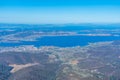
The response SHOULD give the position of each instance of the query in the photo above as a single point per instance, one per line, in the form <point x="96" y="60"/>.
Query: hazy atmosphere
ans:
<point x="59" y="11"/>
<point x="59" y="39"/>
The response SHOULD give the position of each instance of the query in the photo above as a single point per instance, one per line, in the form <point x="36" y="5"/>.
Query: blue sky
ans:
<point x="59" y="11"/>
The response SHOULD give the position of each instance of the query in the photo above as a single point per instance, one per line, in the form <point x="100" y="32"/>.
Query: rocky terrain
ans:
<point x="97" y="61"/>
<point x="47" y="52"/>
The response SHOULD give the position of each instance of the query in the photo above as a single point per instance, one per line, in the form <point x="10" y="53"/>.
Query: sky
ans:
<point x="59" y="11"/>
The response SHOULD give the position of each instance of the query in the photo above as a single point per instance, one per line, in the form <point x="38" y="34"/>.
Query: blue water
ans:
<point x="64" y="41"/>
